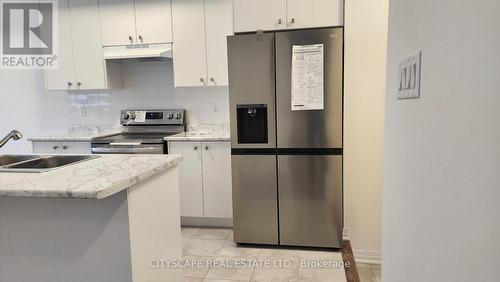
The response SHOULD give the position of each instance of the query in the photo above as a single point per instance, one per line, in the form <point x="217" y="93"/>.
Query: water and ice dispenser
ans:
<point x="252" y="124"/>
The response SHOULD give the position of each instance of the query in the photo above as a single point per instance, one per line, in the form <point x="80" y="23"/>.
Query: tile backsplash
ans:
<point x="148" y="85"/>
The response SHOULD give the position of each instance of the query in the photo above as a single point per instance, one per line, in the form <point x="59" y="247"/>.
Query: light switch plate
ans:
<point x="409" y="77"/>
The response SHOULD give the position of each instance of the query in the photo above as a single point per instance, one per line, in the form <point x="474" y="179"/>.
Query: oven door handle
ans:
<point x="151" y="149"/>
<point x="125" y="144"/>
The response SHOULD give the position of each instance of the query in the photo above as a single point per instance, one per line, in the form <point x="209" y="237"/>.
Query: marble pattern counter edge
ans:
<point x="78" y="182"/>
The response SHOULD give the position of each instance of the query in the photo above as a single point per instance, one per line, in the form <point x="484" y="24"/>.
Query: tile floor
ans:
<point x="369" y="272"/>
<point x="209" y="245"/>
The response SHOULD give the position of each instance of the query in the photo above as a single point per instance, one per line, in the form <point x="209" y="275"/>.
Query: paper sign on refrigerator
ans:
<point x="308" y="77"/>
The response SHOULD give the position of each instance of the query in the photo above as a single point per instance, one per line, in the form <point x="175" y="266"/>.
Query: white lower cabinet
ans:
<point x="190" y="177"/>
<point x="205" y="178"/>
<point x="217" y="186"/>
<point x="69" y="148"/>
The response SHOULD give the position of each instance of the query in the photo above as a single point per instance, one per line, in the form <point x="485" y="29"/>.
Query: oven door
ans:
<point x="128" y="148"/>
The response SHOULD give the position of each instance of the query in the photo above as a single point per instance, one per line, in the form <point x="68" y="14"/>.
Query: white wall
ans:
<point x="365" y="60"/>
<point x="442" y="153"/>
<point x="25" y="105"/>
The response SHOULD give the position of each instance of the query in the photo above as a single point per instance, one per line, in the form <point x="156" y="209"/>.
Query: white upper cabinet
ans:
<point x="63" y="77"/>
<point x="153" y="20"/>
<point x="130" y="22"/>
<point x="251" y="15"/>
<point x="219" y="25"/>
<point x="314" y="13"/>
<point x="117" y="22"/>
<point x="190" y="63"/>
<point x="80" y="62"/>
<point x="89" y="63"/>
<point x="200" y="29"/>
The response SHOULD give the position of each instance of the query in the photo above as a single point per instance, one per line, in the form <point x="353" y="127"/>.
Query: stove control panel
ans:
<point x="152" y="117"/>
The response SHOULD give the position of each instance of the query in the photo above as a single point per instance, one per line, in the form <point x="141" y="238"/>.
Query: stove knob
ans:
<point x="126" y="116"/>
<point x="132" y="115"/>
<point x="178" y="115"/>
<point x="170" y="115"/>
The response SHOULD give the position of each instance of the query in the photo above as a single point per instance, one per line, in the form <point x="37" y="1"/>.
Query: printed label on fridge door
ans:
<point x="308" y="77"/>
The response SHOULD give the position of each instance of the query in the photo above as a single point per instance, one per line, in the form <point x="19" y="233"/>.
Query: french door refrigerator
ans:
<point x="286" y="145"/>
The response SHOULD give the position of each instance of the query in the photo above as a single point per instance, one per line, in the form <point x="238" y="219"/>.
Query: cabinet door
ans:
<point x="76" y="148"/>
<point x="190" y="177"/>
<point x="314" y="13"/>
<point x="251" y="15"/>
<point x="190" y="60"/>
<point x="153" y="20"/>
<point x="87" y="47"/>
<point x="47" y="147"/>
<point x="219" y="24"/>
<point x="118" y="22"/>
<point x="63" y="78"/>
<point x="217" y="189"/>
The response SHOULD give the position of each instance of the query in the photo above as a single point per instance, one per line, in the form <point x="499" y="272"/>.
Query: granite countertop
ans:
<point x="200" y="136"/>
<point x="94" y="179"/>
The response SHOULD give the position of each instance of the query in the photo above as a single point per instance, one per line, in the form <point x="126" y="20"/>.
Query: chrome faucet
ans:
<point x="14" y="134"/>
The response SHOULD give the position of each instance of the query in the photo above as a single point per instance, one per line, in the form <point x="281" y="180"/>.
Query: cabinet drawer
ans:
<point x="70" y="148"/>
<point x="76" y="148"/>
<point x="40" y="147"/>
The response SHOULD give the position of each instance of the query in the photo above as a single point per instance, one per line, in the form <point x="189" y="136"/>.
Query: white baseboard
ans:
<point x="346" y="233"/>
<point x="362" y="256"/>
<point x="206" y="222"/>
<point x="367" y="256"/>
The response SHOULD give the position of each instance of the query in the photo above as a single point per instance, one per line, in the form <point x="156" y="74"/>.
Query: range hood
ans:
<point x="138" y="51"/>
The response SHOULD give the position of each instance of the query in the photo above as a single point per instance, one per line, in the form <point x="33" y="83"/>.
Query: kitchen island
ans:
<point x="106" y="219"/>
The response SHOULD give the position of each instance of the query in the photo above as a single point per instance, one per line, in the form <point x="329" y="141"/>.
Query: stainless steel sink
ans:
<point x="39" y="164"/>
<point x="12" y="159"/>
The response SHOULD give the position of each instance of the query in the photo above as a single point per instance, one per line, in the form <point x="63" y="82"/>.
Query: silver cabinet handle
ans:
<point x="79" y="83"/>
<point x="70" y="84"/>
<point x="65" y="147"/>
<point x="206" y="148"/>
<point x="140" y="38"/>
<point x="131" y="39"/>
<point x="195" y="148"/>
<point x="212" y="79"/>
<point x="292" y="21"/>
<point x="55" y="148"/>
<point x="202" y="80"/>
<point x="280" y="21"/>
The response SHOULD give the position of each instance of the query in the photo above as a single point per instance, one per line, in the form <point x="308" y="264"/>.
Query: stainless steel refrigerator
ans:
<point x="286" y="163"/>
